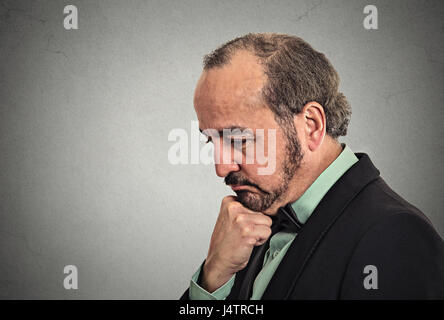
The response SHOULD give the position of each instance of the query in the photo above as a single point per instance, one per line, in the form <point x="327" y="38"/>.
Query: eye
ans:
<point x="244" y="139"/>
<point x="241" y="141"/>
<point x="209" y="140"/>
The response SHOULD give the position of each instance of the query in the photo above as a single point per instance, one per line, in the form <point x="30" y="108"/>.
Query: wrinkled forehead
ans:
<point x="219" y="108"/>
<point x="241" y="75"/>
<point x="230" y="94"/>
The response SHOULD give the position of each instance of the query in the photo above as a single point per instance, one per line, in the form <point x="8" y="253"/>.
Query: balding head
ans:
<point x="296" y="74"/>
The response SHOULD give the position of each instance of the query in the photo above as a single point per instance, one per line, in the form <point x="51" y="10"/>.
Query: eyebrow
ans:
<point x="221" y="132"/>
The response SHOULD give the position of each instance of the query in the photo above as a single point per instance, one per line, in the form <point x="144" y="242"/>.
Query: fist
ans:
<point x="237" y="231"/>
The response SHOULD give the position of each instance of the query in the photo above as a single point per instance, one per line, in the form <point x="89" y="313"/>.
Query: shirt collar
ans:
<point x="307" y="203"/>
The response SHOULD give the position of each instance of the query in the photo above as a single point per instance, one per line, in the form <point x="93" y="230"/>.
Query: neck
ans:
<point x="312" y="165"/>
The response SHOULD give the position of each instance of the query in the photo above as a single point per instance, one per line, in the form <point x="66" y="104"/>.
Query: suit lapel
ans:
<point x="326" y="213"/>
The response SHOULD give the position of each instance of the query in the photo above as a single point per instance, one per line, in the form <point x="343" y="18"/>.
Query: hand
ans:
<point x="237" y="231"/>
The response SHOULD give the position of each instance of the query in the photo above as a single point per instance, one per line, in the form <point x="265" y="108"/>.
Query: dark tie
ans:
<point x="285" y="220"/>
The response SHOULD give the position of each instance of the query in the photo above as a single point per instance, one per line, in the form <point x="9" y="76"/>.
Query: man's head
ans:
<point x="271" y="82"/>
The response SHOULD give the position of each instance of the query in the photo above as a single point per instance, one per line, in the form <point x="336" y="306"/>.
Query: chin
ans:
<point x="255" y="201"/>
<point x="249" y="200"/>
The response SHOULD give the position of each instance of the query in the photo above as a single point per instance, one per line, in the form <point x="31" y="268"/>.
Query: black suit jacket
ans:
<point x="360" y="222"/>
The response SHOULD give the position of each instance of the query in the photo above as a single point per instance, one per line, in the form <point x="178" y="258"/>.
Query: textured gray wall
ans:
<point x="85" y="115"/>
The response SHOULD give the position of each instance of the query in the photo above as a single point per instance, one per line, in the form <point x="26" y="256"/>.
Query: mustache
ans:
<point x="237" y="179"/>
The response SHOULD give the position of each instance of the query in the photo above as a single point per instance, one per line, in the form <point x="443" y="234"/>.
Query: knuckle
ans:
<point x="246" y="230"/>
<point x="227" y="199"/>
<point x="239" y="218"/>
<point x="232" y="206"/>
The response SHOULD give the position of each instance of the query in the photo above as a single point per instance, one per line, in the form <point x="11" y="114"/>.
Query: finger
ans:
<point x="244" y="209"/>
<point x="237" y="207"/>
<point x="260" y="242"/>
<point x="258" y="219"/>
<point x="259" y="234"/>
<point x="228" y="199"/>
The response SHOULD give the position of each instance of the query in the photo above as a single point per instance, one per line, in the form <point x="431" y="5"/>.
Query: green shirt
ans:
<point x="281" y="241"/>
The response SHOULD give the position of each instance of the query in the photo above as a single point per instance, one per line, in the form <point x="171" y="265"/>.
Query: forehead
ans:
<point x="232" y="95"/>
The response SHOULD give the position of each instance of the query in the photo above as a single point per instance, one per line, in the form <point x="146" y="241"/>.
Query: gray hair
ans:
<point x="297" y="74"/>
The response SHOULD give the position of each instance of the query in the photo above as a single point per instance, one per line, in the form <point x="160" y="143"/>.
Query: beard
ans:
<point x="262" y="200"/>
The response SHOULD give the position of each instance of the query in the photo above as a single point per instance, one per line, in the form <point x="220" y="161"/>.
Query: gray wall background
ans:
<point x="85" y="115"/>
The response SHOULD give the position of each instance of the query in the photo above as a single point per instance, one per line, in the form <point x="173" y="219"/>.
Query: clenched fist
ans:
<point x="235" y="234"/>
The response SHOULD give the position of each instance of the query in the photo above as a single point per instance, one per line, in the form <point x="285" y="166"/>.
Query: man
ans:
<point x="323" y="224"/>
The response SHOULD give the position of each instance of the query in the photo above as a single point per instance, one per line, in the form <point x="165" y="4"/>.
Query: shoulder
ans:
<point x="404" y="253"/>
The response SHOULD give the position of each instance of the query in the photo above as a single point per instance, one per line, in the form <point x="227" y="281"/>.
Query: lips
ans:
<point x="240" y="187"/>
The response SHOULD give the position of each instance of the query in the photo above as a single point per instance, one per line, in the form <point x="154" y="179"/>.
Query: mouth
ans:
<point x="242" y="187"/>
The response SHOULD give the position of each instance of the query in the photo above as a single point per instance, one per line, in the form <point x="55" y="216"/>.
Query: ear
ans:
<point x="314" y="121"/>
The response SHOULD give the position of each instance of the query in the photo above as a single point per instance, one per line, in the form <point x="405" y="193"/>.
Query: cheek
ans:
<point x="270" y="151"/>
<point x="268" y="182"/>
<point x="271" y="178"/>
<point x="273" y="142"/>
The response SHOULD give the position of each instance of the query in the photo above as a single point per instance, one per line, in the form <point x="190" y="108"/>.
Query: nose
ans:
<point x="222" y="170"/>
<point x="224" y="159"/>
